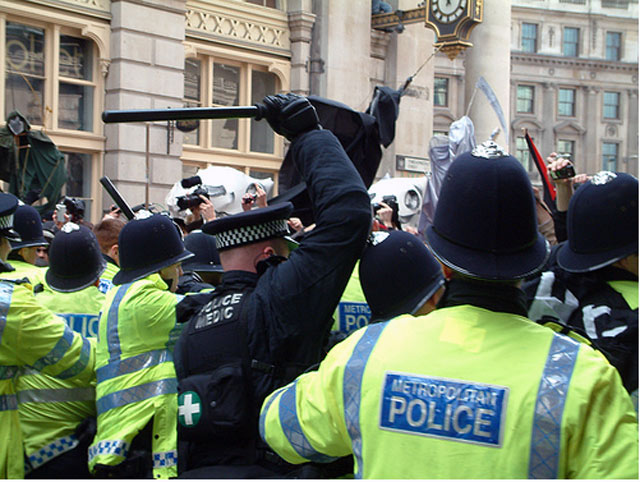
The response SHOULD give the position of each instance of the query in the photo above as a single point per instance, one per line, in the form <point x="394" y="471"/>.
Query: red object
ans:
<point x="549" y="188"/>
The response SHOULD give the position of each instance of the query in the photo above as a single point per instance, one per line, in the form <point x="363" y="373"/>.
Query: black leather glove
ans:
<point x="289" y="114"/>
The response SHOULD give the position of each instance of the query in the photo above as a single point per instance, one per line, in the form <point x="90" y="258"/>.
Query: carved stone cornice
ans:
<point x="239" y="24"/>
<point x="379" y="43"/>
<point x="573" y="62"/>
<point x="96" y="8"/>
<point x="300" y="26"/>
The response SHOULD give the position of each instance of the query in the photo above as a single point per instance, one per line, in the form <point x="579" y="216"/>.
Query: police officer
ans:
<point x="52" y="411"/>
<point x="136" y="400"/>
<point x="31" y="335"/>
<point x="23" y="255"/>
<point x="399" y="275"/>
<point x="474" y="389"/>
<point x="107" y="232"/>
<point x="594" y="285"/>
<point x="203" y="271"/>
<point x="267" y="320"/>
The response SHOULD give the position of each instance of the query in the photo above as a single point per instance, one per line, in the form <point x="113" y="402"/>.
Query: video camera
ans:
<point x="75" y="207"/>
<point x="392" y="201"/>
<point x="193" y="199"/>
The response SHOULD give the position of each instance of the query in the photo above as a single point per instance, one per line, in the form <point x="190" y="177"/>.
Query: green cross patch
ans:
<point x="189" y="409"/>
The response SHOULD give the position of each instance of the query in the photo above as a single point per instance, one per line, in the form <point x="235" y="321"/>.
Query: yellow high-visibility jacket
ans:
<point x="463" y="392"/>
<point x="51" y="409"/>
<point x="135" y="373"/>
<point x="30" y="334"/>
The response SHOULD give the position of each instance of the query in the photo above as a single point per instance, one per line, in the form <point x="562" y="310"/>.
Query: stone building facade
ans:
<point x="65" y="61"/>
<point x="573" y="83"/>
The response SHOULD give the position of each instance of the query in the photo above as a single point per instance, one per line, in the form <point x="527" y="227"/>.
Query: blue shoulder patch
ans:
<point x="353" y="315"/>
<point x="82" y="323"/>
<point x="443" y="408"/>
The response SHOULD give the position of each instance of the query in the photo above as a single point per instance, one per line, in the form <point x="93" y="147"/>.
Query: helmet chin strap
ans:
<point x="272" y="260"/>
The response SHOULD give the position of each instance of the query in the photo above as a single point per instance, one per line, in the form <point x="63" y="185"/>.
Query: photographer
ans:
<point x="386" y="213"/>
<point x="201" y="213"/>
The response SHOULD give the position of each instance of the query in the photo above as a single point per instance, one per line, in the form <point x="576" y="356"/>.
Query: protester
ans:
<point x="30" y="335"/>
<point x="473" y="389"/>
<point x="267" y="320"/>
<point x="57" y="418"/>
<point x="107" y="232"/>
<point x="136" y="400"/>
<point x="594" y="285"/>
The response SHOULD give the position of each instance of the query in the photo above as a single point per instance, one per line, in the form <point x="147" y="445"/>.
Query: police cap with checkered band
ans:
<point x="8" y="206"/>
<point x="251" y="227"/>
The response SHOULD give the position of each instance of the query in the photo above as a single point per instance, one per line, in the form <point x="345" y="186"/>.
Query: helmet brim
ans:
<point x="488" y="265"/>
<point x="129" y="276"/>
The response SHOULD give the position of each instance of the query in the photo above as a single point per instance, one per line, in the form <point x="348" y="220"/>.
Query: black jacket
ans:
<point x="587" y="302"/>
<point x="288" y="308"/>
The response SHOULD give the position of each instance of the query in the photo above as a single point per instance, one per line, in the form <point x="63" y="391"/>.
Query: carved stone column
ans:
<point x="547" y="146"/>
<point x="146" y="72"/>
<point x="490" y="57"/>
<point x="300" y="27"/>
<point x="592" y="108"/>
<point x="632" y="133"/>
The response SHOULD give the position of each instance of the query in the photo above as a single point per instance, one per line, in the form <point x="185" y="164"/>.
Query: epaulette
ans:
<point x="560" y="327"/>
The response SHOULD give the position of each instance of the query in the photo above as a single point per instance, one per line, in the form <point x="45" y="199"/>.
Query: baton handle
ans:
<point x="117" y="197"/>
<point x="187" y="113"/>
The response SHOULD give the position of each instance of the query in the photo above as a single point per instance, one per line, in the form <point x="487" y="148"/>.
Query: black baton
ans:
<point x="187" y="113"/>
<point x="117" y="197"/>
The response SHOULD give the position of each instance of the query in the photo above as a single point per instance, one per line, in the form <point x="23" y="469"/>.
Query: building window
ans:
<point x="565" y="149"/>
<point x="225" y="93"/>
<point x="440" y="91"/>
<point x="192" y="94"/>
<point x="612" y="46"/>
<point x="610" y="156"/>
<point x="29" y="71"/>
<point x="210" y="81"/>
<point x="522" y="153"/>
<point x="570" y="38"/>
<point x="611" y="105"/>
<point x="566" y="102"/>
<point x="264" y="3"/>
<point x="529" y="37"/>
<point x="524" y="103"/>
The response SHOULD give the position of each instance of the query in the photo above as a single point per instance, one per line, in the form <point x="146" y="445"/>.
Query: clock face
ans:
<point x="448" y="11"/>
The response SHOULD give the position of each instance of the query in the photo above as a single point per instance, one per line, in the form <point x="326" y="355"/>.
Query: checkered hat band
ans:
<point x="6" y="221"/>
<point x="251" y="234"/>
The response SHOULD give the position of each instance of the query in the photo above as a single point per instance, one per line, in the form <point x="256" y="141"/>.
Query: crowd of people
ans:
<point x="250" y="346"/>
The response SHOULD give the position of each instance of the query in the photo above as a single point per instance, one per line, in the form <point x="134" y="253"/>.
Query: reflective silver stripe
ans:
<point x="547" y="419"/>
<point x="352" y="388"/>
<point x="50" y="451"/>
<point x="6" y="290"/>
<point x="8" y="402"/>
<point x="165" y="459"/>
<point x="7" y="372"/>
<point x="79" y="366"/>
<point x="263" y="413"/>
<point x="132" y="364"/>
<point x="53" y="395"/>
<point x="109" y="447"/>
<point x="58" y="351"/>
<point x="113" y="339"/>
<point x="136" y="394"/>
<point x="292" y="429"/>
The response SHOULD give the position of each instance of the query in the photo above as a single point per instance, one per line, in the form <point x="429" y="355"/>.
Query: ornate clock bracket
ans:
<point x="451" y="20"/>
